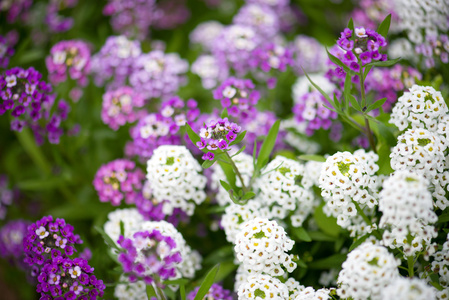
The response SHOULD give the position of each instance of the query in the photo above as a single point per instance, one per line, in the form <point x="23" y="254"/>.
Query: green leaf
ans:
<point x="107" y="238"/>
<point x="207" y="283"/>
<point x="28" y="143"/>
<point x="302" y="234"/>
<point x="239" y="138"/>
<point x="208" y="163"/>
<point x="443" y="218"/>
<point x="268" y="145"/>
<point x="384" y="159"/>
<point x="248" y="196"/>
<point x="333" y="261"/>
<point x="39" y="184"/>
<point x="331" y="109"/>
<point x="351" y="24"/>
<point x="325" y="95"/>
<point x="355" y="104"/>
<point x="225" y="185"/>
<point x="238" y="152"/>
<point x="122" y="228"/>
<point x="387" y="63"/>
<point x="321" y="237"/>
<point x="313" y="157"/>
<point x="193" y="136"/>
<point x="376" y="105"/>
<point x="347" y="90"/>
<point x="182" y="291"/>
<point x="367" y="69"/>
<point x="151" y="293"/>
<point x="338" y="62"/>
<point x="359" y="241"/>
<point x="336" y="103"/>
<point x="384" y="26"/>
<point x="224" y="113"/>
<point x="327" y="224"/>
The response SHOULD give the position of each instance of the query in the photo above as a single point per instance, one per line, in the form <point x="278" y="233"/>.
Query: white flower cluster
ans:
<point x="313" y="171"/>
<point x="131" y="290"/>
<point x="130" y="218"/>
<point x="422" y="107"/>
<point x="235" y="215"/>
<point x="407" y="212"/>
<point x="440" y="265"/>
<point x="244" y="163"/>
<point x="309" y="293"/>
<point x="294" y="288"/>
<point x="191" y="260"/>
<point x="346" y="180"/>
<point x="263" y="287"/>
<point x="408" y="288"/>
<point x="286" y="190"/>
<point x="205" y="34"/>
<point x="175" y="179"/>
<point x="368" y="269"/>
<point x="261" y="247"/>
<point x="421" y="18"/>
<point x="208" y="69"/>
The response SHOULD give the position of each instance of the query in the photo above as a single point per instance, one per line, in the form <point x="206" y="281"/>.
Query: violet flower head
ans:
<point x="117" y="180"/>
<point x="69" y="278"/>
<point x="238" y="96"/>
<point x="70" y="58"/>
<point x="218" y="135"/>
<point x="216" y="292"/>
<point x="56" y="21"/>
<point x="7" y="195"/>
<point x="114" y="62"/>
<point x="208" y="68"/>
<point x="161" y="128"/>
<point x="261" y="18"/>
<point x="169" y="14"/>
<point x="310" y="110"/>
<point x="49" y="239"/>
<point x="12" y="236"/>
<point x="149" y="256"/>
<point x="17" y="9"/>
<point x="433" y="49"/>
<point x="131" y="18"/>
<point x="157" y="74"/>
<point x="6" y="51"/>
<point x="122" y="106"/>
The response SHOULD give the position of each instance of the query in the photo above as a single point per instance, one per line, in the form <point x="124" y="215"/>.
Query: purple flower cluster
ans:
<point x="261" y="18"/>
<point x="388" y="82"/>
<point x="151" y="210"/>
<point x="115" y="61"/>
<point x="208" y="68"/>
<point x="117" y="180"/>
<point x="170" y="14"/>
<point x="434" y="47"/>
<point x="217" y="135"/>
<point x="270" y="57"/>
<point x="162" y="128"/>
<point x="6" y="195"/>
<point x="238" y="96"/>
<point x="30" y="102"/>
<point x="55" y="20"/>
<point x="131" y="17"/>
<point x="16" y="9"/>
<point x="308" y="54"/>
<point x="216" y="292"/>
<point x="72" y="57"/>
<point x="309" y="109"/>
<point x="149" y="256"/>
<point x="157" y="74"/>
<point x="122" y="106"/>
<point x="361" y="47"/>
<point x="12" y="235"/>
<point x="69" y="278"/>
<point x="6" y="51"/>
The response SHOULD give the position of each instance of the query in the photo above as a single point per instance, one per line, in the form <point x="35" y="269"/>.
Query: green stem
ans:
<point x="362" y="214"/>
<point x="367" y="127"/>
<point x="236" y="170"/>
<point x="411" y="265"/>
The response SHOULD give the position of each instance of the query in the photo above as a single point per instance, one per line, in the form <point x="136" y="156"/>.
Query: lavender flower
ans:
<point x="149" y="255"/>
<point x="308" y="54"/>
<point x="16" y="9"/>
<point x="208" y="68"/>
<point x="69" y="278"/>
<point x="216" y="292"/>
<point x="72" y="57"/>
<point x="261" y="18"/>
<point x="12" y="235"/>
<point x="310" y="109"/>
<point x="122" y="106"/>
<point x="118" y="180"/>
<point x="131" y="18"/>
<point x="6" y="196"/>
<point x="29" y="100"/>
<point x="370" y="13"/>
<point x="157" y="74"/>
<point x="169" y="14"/>
<point x="205" y="34"/>
<point x="6" y="51"/>
<point x="238" y="96"/>
<point x="114" y="62"/>
<point x="217" y="135"/>
<point x="434" y="47"/>
<point x="55" y="20"/>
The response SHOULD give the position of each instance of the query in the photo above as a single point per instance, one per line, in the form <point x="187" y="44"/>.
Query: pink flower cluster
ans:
<point x="117" y="180"/>
<point x="122" y="106"/>
<point x="69" y="57"/>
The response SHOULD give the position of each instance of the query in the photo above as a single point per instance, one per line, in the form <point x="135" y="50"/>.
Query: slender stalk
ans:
<point x="236" y="170"/>
<point x="367" y="127"/>
<point x="411" y="265"/>
<point x="159" y="293"/>
<point x="362" y="214"/>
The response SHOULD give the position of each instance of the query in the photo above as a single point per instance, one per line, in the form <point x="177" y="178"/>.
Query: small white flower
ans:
<point x="75" y="272"/>
<point x="42" y="232"/>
